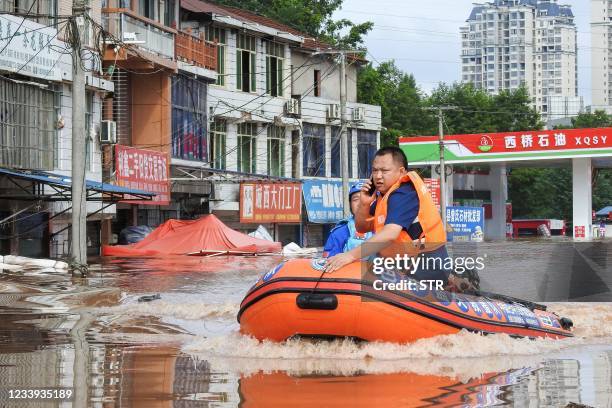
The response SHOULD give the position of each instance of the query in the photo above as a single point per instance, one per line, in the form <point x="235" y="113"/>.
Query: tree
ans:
<point x="399" y="98"/>
<point x="599" y="118"/>
<point x="480" y="112"/>
<point x="313" y="17"/>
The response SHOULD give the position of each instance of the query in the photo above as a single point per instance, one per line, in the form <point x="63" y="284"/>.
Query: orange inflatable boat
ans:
<point x="280" y="389"/>
<point x="296" y="299"/>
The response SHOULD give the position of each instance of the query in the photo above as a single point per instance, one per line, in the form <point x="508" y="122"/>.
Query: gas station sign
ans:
<point x="509" y="146"/>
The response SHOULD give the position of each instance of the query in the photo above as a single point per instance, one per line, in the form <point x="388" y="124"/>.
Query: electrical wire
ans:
<point x="19" y="27"/>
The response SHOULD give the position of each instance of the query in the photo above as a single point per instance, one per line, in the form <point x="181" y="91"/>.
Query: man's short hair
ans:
<point x="398" y="155"/>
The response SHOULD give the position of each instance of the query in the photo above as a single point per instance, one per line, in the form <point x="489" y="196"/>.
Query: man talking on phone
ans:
<point x="402" y="215"/>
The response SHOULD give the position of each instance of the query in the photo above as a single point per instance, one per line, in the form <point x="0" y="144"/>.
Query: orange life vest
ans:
<point x="432" y="236"/>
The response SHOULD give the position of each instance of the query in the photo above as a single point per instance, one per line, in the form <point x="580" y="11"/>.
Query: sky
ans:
<point x="423" y="37"/>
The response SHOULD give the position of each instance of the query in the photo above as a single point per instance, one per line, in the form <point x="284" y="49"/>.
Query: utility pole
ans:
<point x="344" y="148"/>
<point x="79" y="209"/>
<point x="442" y="168"/>
<point x="442" y="172"/>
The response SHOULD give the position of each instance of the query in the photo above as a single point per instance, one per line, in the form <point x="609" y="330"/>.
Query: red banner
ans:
<point x="434" y="189"/>
<point x="146" y="170"/>
<point x="270" y="202"/>
<point x="528" y="141"/>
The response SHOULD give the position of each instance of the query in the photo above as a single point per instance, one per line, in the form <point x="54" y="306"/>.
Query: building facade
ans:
<point x="601" y="52"/>
<point x="161" y="75"/>
<point x="36" y="124"/>
<point x="507" y="44"/>
<point x="226" y="95"/>
<point x="274" y="111"/>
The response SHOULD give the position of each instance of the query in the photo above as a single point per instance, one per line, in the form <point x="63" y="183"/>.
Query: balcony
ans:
<point x="196" y="51"/>
<point x="143" y="33"/>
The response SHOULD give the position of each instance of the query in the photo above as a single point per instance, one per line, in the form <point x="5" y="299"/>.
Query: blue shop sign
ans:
<point x="323" y="199"/>
<point x="465" y="223"/>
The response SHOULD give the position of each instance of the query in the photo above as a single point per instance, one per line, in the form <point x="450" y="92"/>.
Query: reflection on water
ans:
<point x="184" y="349"/>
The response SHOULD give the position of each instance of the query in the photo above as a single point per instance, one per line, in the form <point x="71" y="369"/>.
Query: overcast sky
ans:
<point x="423" y="37"/>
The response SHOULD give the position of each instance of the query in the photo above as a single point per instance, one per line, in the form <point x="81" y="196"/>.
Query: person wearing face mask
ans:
<point x="402" y="215"/>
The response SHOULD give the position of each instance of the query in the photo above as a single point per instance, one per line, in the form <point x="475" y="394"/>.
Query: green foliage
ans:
<point x="400" y="100"/>
<point x="479" y="112"/>
<point x="313" y="17"/>
<point x="541" y="193"/>
<point x="592" y="120"/>
<point x="602" y="189"/>
<point x="407" y="112"/>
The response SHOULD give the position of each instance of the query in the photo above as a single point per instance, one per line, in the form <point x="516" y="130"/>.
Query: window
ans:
<point x="218" y="131"/>
<point x="336" y="169"/>
<point x="45" y="11"/>
<point x="247" y="147"/>
<point x="146" y="8"/>
<point x="314" y="150"/>
<point x="317" y="82"/>
<point x="276" y="151"/>
<point x="27" y="126"/>
<point x="366" y="148"/>
<point x="189" y="119"/>
<point x="217" y="35"/>
<point x="245" y="63"/>
<point x="169" y="7"/>
<point x="275" y="57"/>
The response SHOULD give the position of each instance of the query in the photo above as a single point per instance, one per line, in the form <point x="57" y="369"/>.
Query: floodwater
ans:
<point x="184" y="350"/>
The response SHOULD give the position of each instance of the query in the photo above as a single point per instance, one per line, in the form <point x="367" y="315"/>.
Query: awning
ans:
<point x="604" y="211"/>
<point x="30" y="185"/>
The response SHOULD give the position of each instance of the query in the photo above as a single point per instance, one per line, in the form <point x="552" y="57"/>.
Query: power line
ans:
<point x="19" y="27"/>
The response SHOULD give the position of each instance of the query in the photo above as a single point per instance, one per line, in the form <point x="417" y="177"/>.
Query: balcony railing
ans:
<point x="196" y="51"/>
<point x="139" y="31"/>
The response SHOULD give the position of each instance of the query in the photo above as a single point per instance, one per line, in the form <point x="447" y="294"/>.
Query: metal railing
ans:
<point x="139" y="31"/>
<point x="196" y="51"/>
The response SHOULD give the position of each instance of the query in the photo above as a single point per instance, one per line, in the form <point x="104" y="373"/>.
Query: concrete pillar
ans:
<point x="328" y="149"/>
<point x="582" y="198"/>
<point x="261" y="148"/>
<point x="498" y="183"/>
<point x="231" y="146"/>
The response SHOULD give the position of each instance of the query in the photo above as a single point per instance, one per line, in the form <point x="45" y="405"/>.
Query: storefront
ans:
<point x="275" y="205"/>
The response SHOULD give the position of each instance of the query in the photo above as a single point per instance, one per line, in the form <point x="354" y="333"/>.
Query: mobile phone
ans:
<point x="372" y="186"/>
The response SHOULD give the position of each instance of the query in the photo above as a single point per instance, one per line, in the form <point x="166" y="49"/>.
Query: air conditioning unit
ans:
<point x="292" y="107"/>
<point x="333" y="111"/>
<point x="358" y="114"/>
<point x="108" y="132"/>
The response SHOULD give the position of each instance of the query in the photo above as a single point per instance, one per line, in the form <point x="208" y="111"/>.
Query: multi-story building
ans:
<point x="507" y="44"/>
<point x="601" y="52"/>
<point x="225" y="94"/>
<point x="161" y="75"/>
<point x="274" y="109"/>
<point x="36" y="124"/>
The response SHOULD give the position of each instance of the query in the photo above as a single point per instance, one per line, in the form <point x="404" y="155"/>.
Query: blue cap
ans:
<point x="355" y="188"/>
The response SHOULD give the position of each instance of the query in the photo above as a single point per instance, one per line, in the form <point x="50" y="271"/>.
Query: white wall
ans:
<point x="304" y="66"/>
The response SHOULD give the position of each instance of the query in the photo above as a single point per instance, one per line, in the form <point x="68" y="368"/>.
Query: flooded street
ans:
<point x="184" y="349"/>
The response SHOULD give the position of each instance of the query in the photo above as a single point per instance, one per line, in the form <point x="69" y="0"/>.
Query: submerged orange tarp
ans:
<point x="204" y="235"/>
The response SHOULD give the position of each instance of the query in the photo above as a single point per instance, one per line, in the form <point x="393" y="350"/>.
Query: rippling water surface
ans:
<point x="184" y="349"/>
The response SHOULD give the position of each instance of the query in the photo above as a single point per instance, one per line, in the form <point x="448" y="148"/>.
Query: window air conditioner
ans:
<point x="108" y="132"/>
<point x="292" y="107"/>
<point x="358" y="114"/>
<point x="333" y="111"/>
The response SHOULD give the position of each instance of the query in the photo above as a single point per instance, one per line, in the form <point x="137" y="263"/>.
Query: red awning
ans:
<point x="206" y="235"/>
